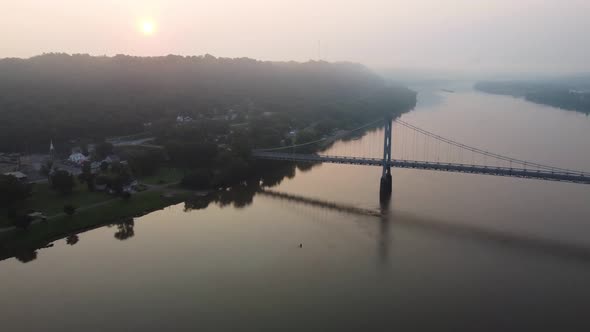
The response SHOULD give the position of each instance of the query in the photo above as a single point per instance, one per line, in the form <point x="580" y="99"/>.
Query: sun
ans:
<point x="147" y="27"/>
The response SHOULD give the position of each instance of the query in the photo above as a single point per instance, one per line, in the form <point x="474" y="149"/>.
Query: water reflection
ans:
<point x="238" y="196"/>
<point x="384" y="225"/>
<point x="72" y="239"/>
<point x="125" y="229"/>
<point x="26" y="256"/>
<point x="532" y="244"/>
<point x="23" y="248"/>
<point x="322" y="204"/>
<point x="243" y="195"/>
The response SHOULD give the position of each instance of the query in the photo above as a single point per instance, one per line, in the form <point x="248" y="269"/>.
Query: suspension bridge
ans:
<point x="414" y="147"/>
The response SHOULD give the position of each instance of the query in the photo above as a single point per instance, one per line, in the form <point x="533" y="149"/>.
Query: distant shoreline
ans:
<point x="543" y="93"/>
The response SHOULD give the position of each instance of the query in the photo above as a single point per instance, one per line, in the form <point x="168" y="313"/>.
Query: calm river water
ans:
<point x="449" y="252"/>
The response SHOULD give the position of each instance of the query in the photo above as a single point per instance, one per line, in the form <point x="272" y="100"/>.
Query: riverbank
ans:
<point x="558" y="95"/>
<point x="110" y="212"/>
<point x="50" y="202"/>
<point x="93" y="210"/>
<point x="245" y="174"/>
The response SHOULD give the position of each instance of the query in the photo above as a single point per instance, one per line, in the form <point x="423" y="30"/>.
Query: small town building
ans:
<point x="18" y="175"/>
<point x="95" y="167"/>
<point x="112" y="159"/>
<point x="7" y="167"/>
<point x="78" y="158"/>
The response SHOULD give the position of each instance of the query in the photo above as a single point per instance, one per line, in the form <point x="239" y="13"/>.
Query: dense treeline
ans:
<point x="215" y="154"/>
<point x="574" y="95"/>
<point x="232" y="106"/>
<point x="64" y="97"/>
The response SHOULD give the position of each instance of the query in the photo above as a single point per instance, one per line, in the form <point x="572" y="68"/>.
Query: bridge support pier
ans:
<point x="386" y="183"/>
<point x="385" y="187"/>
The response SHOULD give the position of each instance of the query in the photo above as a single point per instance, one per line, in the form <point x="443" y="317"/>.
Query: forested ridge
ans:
<point x="62" y="97"/>
<point x="566" y="93"/>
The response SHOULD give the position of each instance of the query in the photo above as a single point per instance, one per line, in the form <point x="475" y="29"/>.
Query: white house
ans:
<point x="78" y="158"/>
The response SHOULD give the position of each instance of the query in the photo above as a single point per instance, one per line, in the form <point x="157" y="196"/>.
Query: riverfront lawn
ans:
<point x="109" y="213"/>
<point x="50" y="202"/>
<point x="163" y="175"/>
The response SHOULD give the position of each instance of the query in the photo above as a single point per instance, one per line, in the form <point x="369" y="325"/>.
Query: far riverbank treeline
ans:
<point x="569" y="94"/>
<point x="68" y="98"/>
<point x="205" y="113"/>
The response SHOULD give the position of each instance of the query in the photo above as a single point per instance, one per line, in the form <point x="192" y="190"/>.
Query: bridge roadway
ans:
<point x="426" y="165"/>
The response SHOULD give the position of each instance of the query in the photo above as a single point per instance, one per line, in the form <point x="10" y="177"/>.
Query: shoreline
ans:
<point x="113" y="211"/>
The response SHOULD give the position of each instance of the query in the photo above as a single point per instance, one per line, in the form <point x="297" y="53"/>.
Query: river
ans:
<point x="319" y="252"/>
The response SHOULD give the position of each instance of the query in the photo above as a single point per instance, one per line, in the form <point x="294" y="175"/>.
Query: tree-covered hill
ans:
<point x="64" y="97"/>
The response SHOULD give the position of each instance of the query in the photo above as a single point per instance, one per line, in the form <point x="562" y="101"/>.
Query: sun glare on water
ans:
<point x="147" y="27"/>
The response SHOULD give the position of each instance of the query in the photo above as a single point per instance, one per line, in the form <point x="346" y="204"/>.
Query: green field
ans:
<point x="109" y="213"/>
<point x="50" y="202"/>
<point x="163" y="175"/>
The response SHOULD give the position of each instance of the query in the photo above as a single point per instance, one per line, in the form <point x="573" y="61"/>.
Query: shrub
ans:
<point x="69" y="209"/>
<point x="197" y="179"/>
<point x="63" y="182"/>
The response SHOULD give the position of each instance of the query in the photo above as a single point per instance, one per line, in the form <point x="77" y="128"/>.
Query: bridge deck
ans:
<point x="436" y="166"/>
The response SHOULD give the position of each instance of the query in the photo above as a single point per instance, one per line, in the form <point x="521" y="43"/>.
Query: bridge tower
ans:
<point x="386" y="184"/>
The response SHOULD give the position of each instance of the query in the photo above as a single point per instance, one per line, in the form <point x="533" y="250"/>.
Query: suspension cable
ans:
<point x="482" y="152"/>
<point x="402" y="147"/>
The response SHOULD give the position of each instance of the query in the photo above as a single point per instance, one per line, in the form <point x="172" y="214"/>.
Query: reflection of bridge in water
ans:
<point x="342" y="208"/>
<point x="420" y="149"/>
<point x="319" y="203"/>
<point x="388" y="218"/>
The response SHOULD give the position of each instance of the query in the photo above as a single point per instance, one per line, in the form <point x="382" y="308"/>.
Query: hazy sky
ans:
<point x="477" y="35"/>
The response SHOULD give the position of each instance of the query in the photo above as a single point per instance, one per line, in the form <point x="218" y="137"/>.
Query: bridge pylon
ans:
<point x="386" y="183"/>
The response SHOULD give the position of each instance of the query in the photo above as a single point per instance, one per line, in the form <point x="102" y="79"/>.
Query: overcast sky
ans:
<point x="475" y="35"/>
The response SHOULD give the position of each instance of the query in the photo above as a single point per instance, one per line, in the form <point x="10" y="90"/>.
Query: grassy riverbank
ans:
<point x="94" y="209"/>
<point x="112" y="211"/>
<point x="164" y="175"/>
<point x="51" y="203"/>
